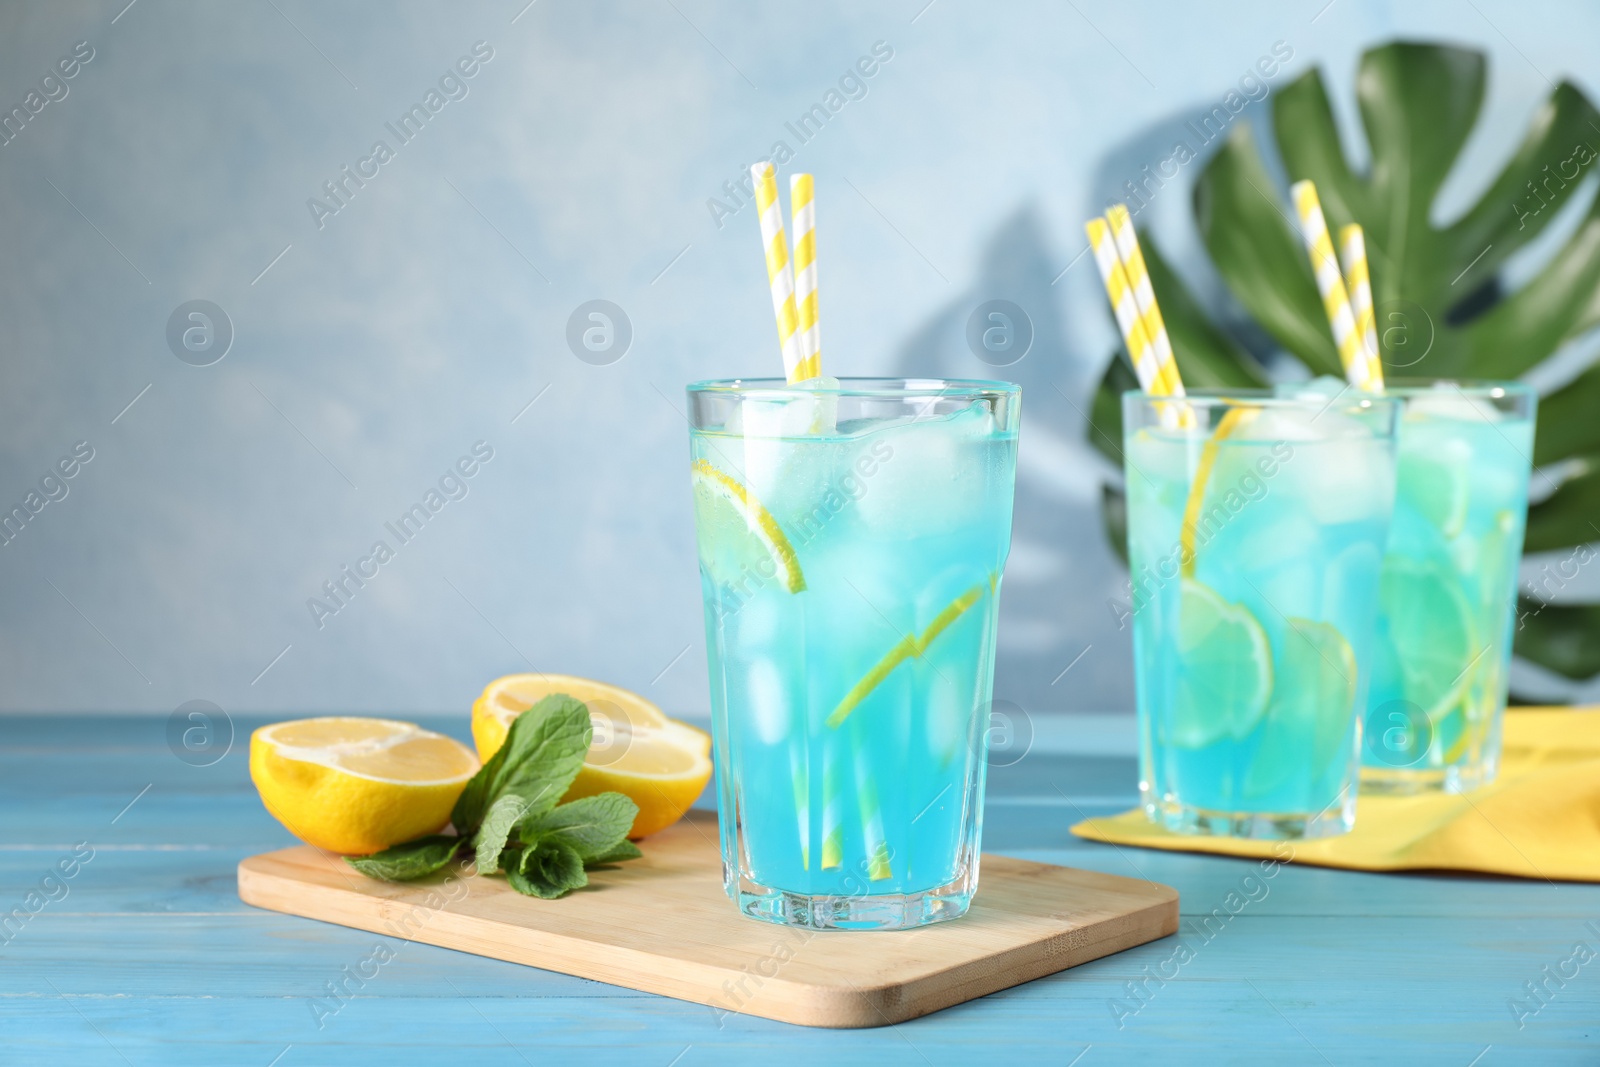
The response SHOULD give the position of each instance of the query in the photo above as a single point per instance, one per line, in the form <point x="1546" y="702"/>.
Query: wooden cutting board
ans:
<point x="662" y="924"/>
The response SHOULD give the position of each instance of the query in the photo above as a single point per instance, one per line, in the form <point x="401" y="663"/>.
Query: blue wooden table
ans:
<point x="143" y="954"/>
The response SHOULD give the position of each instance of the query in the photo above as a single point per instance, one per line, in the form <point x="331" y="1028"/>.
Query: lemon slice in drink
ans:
<point x="1309" y="720"/>
<point x="910" y="646"/>
<point x="1224" y="669"/>
<point x="1437" y="488"/>
<point x="1323" y="666"/>
<point x="1431" y="627"/>
<point x="738" y="535"/>
<point x="660" y="764"/>
<point x="357" y="785"/>
<point x="1230" y="421"/>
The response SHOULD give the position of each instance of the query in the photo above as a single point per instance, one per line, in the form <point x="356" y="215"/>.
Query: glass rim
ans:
<point x="1256" y="397"/>
<point x="777" y="388"/>
<point x="1472" y="387"/>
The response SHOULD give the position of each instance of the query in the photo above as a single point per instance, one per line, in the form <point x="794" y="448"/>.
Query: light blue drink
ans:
<point x="1255" y="538"/>
<point x="851" y="542"/>
<point x="1449" y="586"/>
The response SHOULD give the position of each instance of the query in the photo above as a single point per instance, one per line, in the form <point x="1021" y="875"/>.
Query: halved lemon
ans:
<point x="737" y="532"/>
<point x="356" y="785"/>
<point x="660" y="764"/>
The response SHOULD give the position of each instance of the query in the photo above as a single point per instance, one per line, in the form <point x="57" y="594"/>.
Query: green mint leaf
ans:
<point x="474" y="800"/>
<point x="592" y="825"/>
<point x="496" y="830"/>
<point x="510" y="860"/>
<point x="625" y="850"/>
<point x="548" y="868"/>
<point x="542" y="754"/>
<point x="528" y="887"/>
<point x="413" y="859"/>
<point x="546" y="755"/>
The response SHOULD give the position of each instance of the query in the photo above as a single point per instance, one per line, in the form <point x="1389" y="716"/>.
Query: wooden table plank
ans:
<point x="151" y="951"/>
<point x="1049" y="1021"/>
<point x="140" y="879"/>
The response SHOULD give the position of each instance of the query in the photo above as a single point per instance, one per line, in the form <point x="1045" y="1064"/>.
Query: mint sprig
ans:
<point x="510" y="817"/>
<point x="414" y="859"/>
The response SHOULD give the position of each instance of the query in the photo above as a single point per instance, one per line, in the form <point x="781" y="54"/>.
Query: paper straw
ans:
<point x="779" y="275"/>
<point x="1144" y="297"/>
<point x="832" y="805"/>
<point x="1123" y="306"/>
<point x="1353" y="257"/>
<point x="800" y="779"/>
<point x="877" y="848"/>
<point x="1330" y="283"/>
<point x="802" y="202"/>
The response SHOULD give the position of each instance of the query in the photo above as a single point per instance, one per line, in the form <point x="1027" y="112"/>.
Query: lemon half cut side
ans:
<point x="358" y="785"/>
<point x="659" y="763"/>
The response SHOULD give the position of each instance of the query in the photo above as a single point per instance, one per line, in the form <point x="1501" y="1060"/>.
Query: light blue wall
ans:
<point x="425" y="314"/>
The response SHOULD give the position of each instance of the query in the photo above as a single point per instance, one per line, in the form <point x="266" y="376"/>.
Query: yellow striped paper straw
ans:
<point x="877" y="847"/>
<point x="1144" y="297"/>
<point x="802" y="202"/>
<point x="1353" y="257"/>
<point x="832" y="806"/>
<point x="779" y="275"/>
<point x="1330" y="283"/>
<point x="1123" y="307"/>
<point x="1140" y="351"/>
<point x="800" y="780"/>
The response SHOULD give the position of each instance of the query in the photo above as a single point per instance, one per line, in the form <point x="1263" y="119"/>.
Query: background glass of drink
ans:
<point x="1448" y="591"/>
<point x="851" y="540"/>
<point x="1256" y="527"/>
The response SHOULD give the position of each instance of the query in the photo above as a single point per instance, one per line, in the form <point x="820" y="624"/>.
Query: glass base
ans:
<point x="1180" y="818"/>
<point x="891" y="911"/>
<point x="1409" y="781"/>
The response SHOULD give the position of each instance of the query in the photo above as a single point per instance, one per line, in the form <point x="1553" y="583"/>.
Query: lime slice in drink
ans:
<point x="1436" y="486"/>
<point x="739" y="538"/>
<point x="1310" y="718"/>
<point x="1224" y="669"/>
<point x="1431" y="628"/>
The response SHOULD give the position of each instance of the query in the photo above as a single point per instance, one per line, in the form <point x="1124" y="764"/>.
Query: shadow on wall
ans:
<point x="1059" y="645"/>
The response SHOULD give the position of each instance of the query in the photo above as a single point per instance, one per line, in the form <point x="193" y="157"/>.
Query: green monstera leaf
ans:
<point x="1443" y="308"/>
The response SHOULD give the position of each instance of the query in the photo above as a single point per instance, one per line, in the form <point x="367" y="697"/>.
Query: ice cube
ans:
<point x="1348" y="480"/>
<point x="1277" y="548"/>
<point x="1348" y="582"/>
<point x="1161" y="458"/>
<point x="1446" y="401"/>
<point x="783" y="475"/>
<point x="927" y="476"/>
<point x="811" y="409"/>
<point x="769" y="708"/>
<point x="1323" y="385"/>
<point x="1302" y="424"/>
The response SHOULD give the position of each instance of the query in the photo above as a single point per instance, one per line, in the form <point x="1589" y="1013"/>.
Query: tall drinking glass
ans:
<point x="851" y="540"/>
<point x="1449" y="586"/>
<point x="1256" y="528"/>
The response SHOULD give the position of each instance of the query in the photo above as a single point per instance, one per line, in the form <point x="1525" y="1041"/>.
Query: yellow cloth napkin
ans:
<point x="1539" y="819"/>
